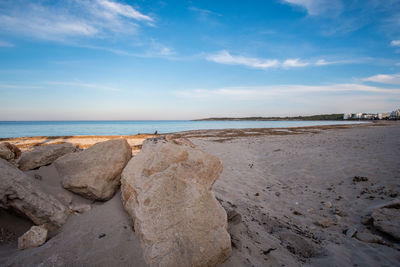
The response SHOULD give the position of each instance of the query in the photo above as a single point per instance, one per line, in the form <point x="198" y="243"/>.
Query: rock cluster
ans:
<point x="43" y="155"/>
<point x="166" y="189"/>
<point x="19" y="193"/>
<point x="95" y="172"/>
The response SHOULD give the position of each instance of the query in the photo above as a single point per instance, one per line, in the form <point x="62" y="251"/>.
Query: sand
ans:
<point x="279" y="186"/>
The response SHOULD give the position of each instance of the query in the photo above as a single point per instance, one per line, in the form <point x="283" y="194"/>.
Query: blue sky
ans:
<point x="109" y="59"/>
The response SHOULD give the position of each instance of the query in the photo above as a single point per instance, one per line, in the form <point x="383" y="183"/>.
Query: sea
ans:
<point x="133" y="127"/>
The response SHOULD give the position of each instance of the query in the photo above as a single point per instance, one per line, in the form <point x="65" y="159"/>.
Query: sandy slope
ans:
<point x="275" y="186"/>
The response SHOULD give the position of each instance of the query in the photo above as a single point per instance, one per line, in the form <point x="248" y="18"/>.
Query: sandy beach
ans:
<point x="290" y="195"/>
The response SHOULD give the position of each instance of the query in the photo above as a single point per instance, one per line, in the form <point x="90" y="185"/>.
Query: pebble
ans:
<point x="351" y="232"/>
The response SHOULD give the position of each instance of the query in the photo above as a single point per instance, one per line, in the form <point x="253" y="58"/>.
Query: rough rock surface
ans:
<point x="166" y="189"/>
<point x="9" y="152"/>
<point x="43" y="155"/>
<point x="36" y="236"/>
<point x="95" y="172"/>
<point x="388" y="221"/>
<point x="19" y="193"/>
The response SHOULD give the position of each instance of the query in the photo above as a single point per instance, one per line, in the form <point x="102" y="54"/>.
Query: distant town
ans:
<point x="394" y="115"/>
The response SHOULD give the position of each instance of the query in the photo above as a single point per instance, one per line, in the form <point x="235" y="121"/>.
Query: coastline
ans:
<point x="221" y="135"/>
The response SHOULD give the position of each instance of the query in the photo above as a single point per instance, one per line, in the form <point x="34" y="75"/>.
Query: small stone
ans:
<point x="37" y="176"/>
<point x="257" y="194"/>
<point x="328" y="204"/>
<point x="36" y="236"/>
<point x="351" y="232"/>
<point x="323" y="223"/>
<point x="295" y="212"/>
<point x="101" y="235"/>
<point x="82" y="208"/>
<point x="277" y="194"/>
<point x="360" y="179"/>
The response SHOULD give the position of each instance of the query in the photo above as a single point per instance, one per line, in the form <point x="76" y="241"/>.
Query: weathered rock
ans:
<point x="368" y="237"/>
<point x="95" y="172"/>
<point x="388" y="221"/>
<point x="9" y="151"/>
<point x="19" y="193"/>
<point x="44" y="155"/>
<point x="34" y="237"/>
<point x="166" y="189"/>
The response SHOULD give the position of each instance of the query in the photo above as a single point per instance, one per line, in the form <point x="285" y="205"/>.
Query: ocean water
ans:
<point x="67" y="128"/>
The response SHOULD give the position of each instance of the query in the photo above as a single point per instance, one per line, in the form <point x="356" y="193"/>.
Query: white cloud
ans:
<point x="319" y="7"/>
<point x="385" y="78"/>
<point x="294" y="63"/>
<point x="124" y="10"/>
<point x="92" y="18"/>
<point x="6" y="44"/>
<point x="224" y="57"/>
<point x="395" y="43"/>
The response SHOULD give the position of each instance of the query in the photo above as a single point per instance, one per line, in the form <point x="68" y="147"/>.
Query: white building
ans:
<point x="347" y="116"/>
<point x="395" y="115"/>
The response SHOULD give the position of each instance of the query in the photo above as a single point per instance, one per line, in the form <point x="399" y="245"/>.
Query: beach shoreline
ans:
<point x="86" y="141"/>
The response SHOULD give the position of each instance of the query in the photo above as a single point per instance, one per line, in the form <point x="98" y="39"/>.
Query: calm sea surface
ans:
<point x="66" y="128"/>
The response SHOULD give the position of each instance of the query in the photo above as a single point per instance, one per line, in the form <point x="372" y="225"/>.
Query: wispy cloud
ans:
<point x="385" y="78"/>
<point x="395" y="43"/>
<point x="224" y="57"/>
<point x="123" y="10"/>
<point x="256" y="92"/>
<point x="6" y="44"/>
<point x="80" y="84"/>
<point x="92" y="18"/>
<point x="294" y="63"/>
<point x="60" y="84"/>
<point x="318" y="7"/>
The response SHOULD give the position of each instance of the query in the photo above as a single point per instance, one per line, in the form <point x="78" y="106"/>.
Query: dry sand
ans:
<point x="276" y="185"/>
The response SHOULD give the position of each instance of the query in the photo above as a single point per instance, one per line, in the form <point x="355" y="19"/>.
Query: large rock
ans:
<point x="166" y="189"/>
<point x="44" y="155"/>
<point x="19" y="193"/>
<point x="95" y="172"/>
<point x="9" y="151"/>
<point x="388" y="221"/>
<point x="34" y="237"/>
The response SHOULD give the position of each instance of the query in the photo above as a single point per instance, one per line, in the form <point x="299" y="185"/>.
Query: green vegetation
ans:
<point x="321" y="117"/>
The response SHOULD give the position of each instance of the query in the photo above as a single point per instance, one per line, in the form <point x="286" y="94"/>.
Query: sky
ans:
<point x="151" y="60"/>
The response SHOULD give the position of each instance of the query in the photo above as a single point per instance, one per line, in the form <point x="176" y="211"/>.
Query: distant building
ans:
<point x="347" y="116"/>
<point x="395" y="115"/>
<point x="356" y="115"/>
